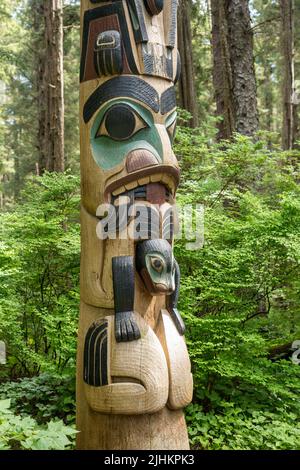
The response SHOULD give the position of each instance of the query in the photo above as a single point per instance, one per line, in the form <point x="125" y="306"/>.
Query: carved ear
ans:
<point x="138" y="375"/>
<point x="95" y="368"/>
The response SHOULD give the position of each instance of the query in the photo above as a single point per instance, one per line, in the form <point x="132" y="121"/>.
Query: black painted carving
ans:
<point x="168" y="225"/>
<point x="95" y="355"/>
<point x="120" y="122"/>
<point x="156" y="64"/>
<point x="154" y="7"/>
<point x="101" y="12"/>
<point x="131" y="87"/>
<point x="137" y="20"/>
<point x="148" y="60"/>
<point x="149" y="247"/>
<point x="108" y="54"/>
<point x="126" y="328"/>
<point x="168" y="100"/>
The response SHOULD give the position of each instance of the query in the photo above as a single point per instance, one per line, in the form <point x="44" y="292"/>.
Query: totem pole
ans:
<point x="133" y="370"/>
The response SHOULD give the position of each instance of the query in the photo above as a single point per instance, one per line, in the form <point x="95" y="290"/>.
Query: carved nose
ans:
<point x="138" y="159"/>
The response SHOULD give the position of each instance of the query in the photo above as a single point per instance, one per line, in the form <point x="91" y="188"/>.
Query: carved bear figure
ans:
<point x="159" y="270"/>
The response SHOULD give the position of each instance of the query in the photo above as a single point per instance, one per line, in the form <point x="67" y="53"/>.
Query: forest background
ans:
<point x="238" y="141"/>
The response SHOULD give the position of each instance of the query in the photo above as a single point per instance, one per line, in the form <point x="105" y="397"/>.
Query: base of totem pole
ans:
<point x="164" y="430"/>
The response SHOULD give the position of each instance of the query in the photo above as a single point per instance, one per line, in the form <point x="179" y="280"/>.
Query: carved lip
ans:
<point x="165" y="174"/>
<point x="161" y="289"/>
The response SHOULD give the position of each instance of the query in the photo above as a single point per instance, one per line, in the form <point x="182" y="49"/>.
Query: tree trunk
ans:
<point x="242" y="64"/>
<point x="289" y="127"/>
<point x="37" y="13"/>
<point x="222" y="73"/>
<point x="187" y="89"/>
<point x="234" y="74"/>
<point x="51" y="91"/>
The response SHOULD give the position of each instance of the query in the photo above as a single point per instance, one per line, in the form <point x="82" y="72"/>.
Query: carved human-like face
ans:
<point x="131" y="137"/>
<point x="156" y="266"/>
<point x="126" y="129"/>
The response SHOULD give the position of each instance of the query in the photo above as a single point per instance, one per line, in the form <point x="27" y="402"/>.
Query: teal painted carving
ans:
<point x="123" y="125"/>
<point x="160" y="273"/>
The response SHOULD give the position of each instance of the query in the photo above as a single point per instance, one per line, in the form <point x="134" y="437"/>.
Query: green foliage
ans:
<point x="22" y="432"/>
<point x="240" y="293"/>
<point x="235" y="428"/>
<point x="44" y="397"/>
<point x="39" y="269"/>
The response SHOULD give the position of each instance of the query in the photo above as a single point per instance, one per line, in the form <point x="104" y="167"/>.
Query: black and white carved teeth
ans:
<point x="166" y="180"/>
<point x="138" y="193"/>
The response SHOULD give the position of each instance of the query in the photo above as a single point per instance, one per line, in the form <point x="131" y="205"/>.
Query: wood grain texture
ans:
<point x="164" y="429"/>
<point x="148" y="379"/>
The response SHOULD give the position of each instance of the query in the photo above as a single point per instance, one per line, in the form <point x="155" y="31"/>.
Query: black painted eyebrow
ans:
<point x="121" y="87"/>
<point x="168" y="100"/>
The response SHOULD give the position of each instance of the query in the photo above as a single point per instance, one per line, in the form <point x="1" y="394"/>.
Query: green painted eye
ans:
<point x="130" y="125"/>
<point x="120" y="122"/>
<point x="157" y="264"/>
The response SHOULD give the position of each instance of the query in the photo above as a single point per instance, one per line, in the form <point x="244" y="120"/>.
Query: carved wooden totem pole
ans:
<point x="133" y="369"/>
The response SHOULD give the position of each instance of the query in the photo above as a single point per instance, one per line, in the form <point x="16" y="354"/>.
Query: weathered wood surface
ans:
<point x="133" y="369"/>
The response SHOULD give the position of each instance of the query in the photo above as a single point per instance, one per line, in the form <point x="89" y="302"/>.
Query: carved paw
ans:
<point x="126" y="328"/>
<point x="176" y="317"/>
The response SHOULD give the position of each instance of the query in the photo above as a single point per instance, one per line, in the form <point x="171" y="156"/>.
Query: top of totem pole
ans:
<point x="130" y="37"/>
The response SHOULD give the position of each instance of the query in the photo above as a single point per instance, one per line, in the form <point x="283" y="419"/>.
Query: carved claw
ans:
<point x="126" y="328"/>
<point x="176" y="317"/>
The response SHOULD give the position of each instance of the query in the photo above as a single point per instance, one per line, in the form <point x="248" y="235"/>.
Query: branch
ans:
<point x="275" y="18"/>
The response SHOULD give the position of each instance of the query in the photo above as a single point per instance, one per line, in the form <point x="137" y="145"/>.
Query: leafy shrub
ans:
<point x="238" y="429"/>
<point x="39" y="271"/>
<point x="17" y="432"/>
<point x="44" y="397"/>
<point x="240" y="293"/>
